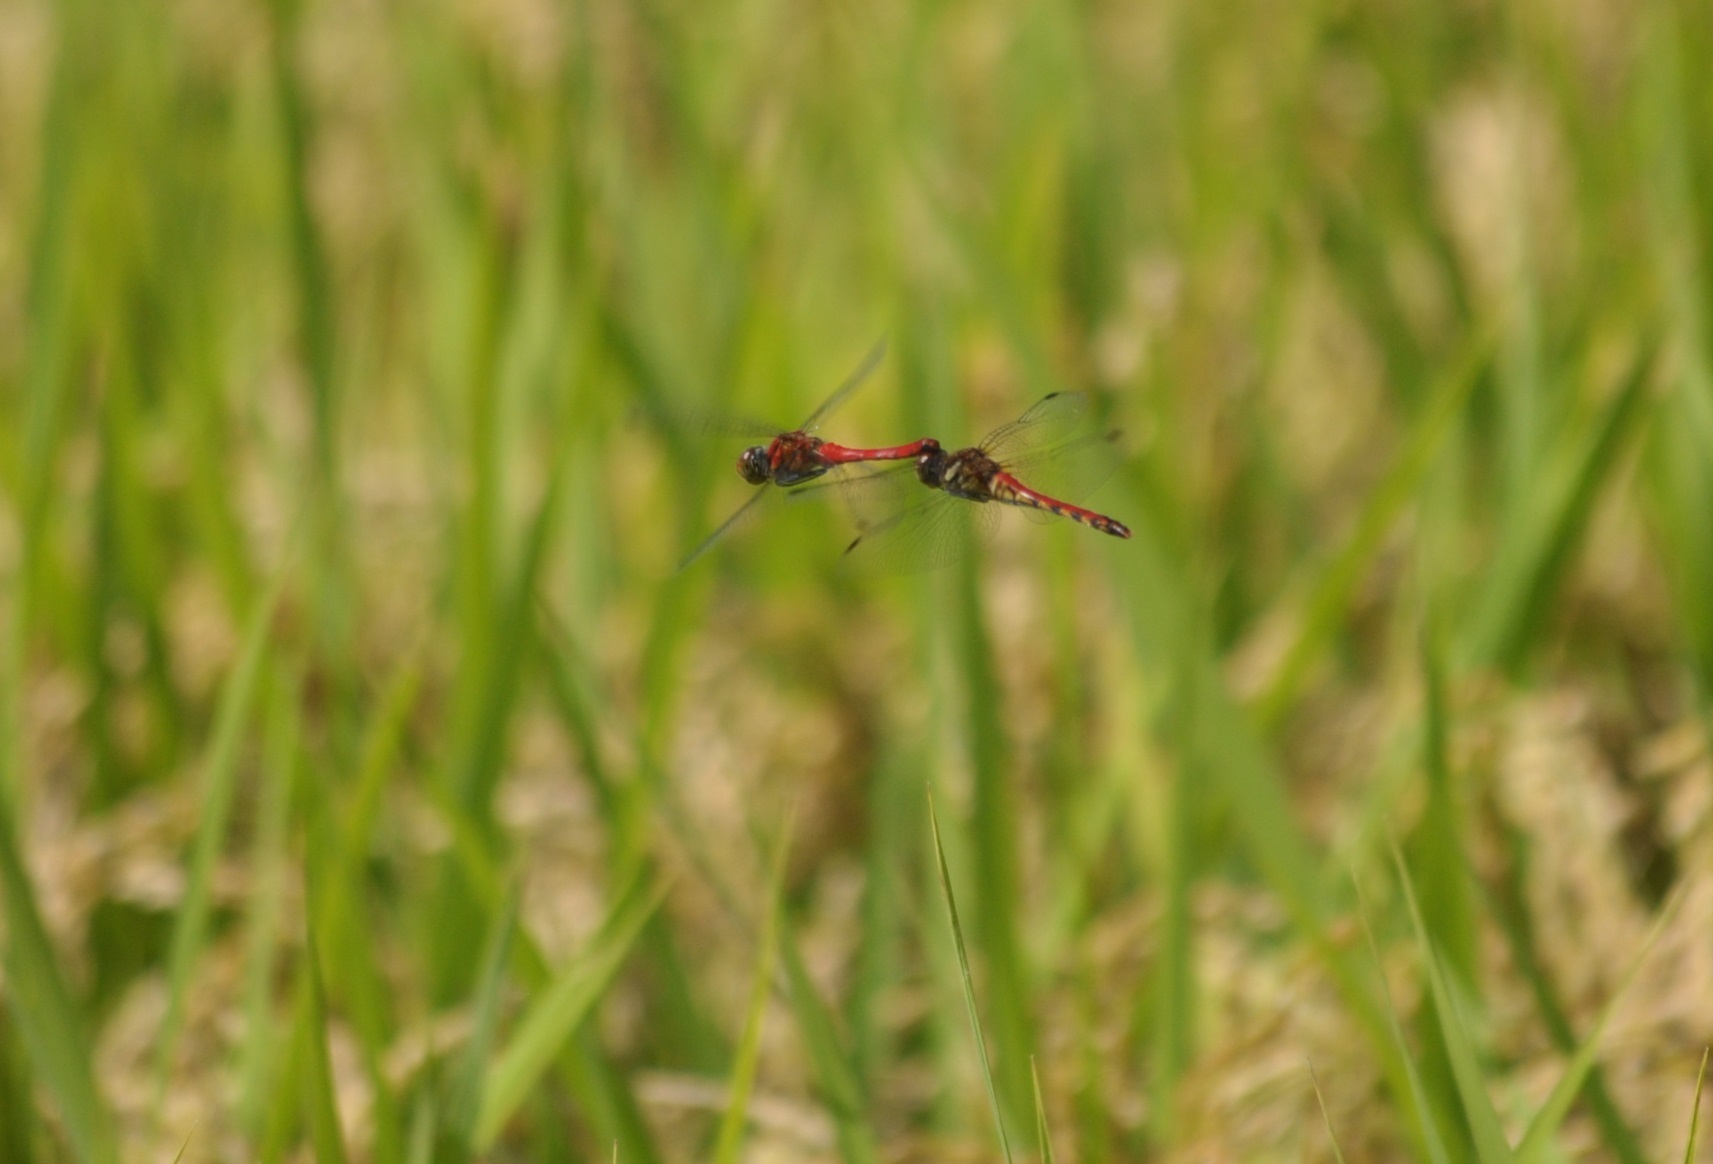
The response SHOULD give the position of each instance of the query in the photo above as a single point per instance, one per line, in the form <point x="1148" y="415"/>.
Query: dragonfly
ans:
<point x="902" y="530"/>
<point x="793" y="458"/>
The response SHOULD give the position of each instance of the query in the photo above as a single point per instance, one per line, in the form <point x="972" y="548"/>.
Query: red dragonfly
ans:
<point x="792" y="458"/>
<point x="901" y="530"/>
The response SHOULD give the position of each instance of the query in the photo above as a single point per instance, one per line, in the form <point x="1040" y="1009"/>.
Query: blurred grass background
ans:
<point x="373" y="789"/>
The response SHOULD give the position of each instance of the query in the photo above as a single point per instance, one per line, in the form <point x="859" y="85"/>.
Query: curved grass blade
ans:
<point x="1509" y="908"/>
<point x="968" y="982"/>
<point x="484" y="1025"/>
<point x="1329" y="597"/>
<point x="599" y="1088"/>
<point x="1432" y="1138"/>
<point x="48" y="1020"/>
<point x="1547" y="1120"/>
<point x="1526" y="581"/>
<point x="1478" y="1109"/>
<point x="558" y="1010"/>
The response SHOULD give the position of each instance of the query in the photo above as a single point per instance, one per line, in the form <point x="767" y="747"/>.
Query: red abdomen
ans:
<point x="1011" y="491"/>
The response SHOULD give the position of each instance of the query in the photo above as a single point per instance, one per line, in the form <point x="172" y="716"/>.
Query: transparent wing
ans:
<point x="1053" y="419"/>
<point x="1069" y="471"/>
<point x="905" y="526"/>
<point x="746" y="513"/>
<point x="928" y="535"/>
<point x="843" y="392"/>
<point x="706" y="423"/>
<point x="871" y="494"/>
<point x="689" y="420"/>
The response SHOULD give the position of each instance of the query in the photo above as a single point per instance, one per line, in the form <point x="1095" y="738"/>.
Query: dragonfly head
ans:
<point x="755" y="466"/>
<point x="931" y="465"/>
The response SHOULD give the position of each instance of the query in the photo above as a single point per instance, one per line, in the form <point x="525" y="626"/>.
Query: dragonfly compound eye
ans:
<point x="754" y="467"/>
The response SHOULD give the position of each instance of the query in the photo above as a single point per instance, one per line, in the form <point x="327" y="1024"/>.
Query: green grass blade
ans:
<point x="190" y="928"/>
<point x="325" y="1133"/>
<point x="48" y="1020"/>
<point x="1537" y="1140"/>
<point x="1220" y="740"/>
<point x="1521" y="596"/>
<point x="1326" y="1116"/>
<point x="18" y="1120"/>
<point x="1663" y="114"/>
<point x="485" y="1009"/>
<point x="1478" y="1107"/>
<point x="1172" y="1015"/>
<point x="316" y="307"/>
<point x="994" y="841"/>
<point x="1096" y="1137"/>
<point x="40" y="1004"/>
<point x="379" y="754"/>
<point x="1329" y="599"/>
<point x="503" y="644"/>
<point x="967" y="980"/>
<point x="1043" y="1135"/>
<point x="599" y="1086"/>
<point x="46" y="379"/>
<point x="419" y="1147"/>
<point x="286" y="1101"/>
<point x="1432" y="1137"/>
<point x="556" y="1012"/>
<point x="729" y="1141"/>
<point x="891" y="798"/>
<point x="357" y="982"/>
<point x="1438" y="863"/>
<point x="496" y="639"/>
<point x="271" y="861"/>
<point x="1436" y="849"/>
<point x="1294" y="277"/>
<point x="566" y="667"/>
<point x="836" y="1075"/>
<point x="1695" y="1112"/>
<point x="1509" y="908"/>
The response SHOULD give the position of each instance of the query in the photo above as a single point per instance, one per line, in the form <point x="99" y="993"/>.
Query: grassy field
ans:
<point x="372" y="787"/>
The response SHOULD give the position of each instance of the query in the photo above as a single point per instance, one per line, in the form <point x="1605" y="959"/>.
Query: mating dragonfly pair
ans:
<point x="902" y="530"/>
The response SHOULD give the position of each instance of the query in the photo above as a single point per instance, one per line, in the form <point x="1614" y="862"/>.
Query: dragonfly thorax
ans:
<point x="967" y="473"/>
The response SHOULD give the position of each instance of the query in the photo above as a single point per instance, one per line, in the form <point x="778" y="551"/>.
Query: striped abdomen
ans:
<point x="1008" y="489"/>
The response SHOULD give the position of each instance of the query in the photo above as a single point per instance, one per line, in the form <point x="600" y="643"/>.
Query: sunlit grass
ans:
<point x="372" y="787"/>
